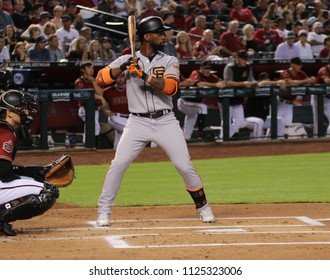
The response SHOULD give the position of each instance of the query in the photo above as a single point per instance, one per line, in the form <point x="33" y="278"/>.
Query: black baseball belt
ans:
<point x="153" y="115"/>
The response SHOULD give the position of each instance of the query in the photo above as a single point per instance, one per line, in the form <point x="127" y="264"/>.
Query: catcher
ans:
<point x="25" y="191"/>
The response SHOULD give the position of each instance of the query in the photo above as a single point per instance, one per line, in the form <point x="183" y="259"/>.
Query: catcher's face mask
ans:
<point x="21" y="103"/>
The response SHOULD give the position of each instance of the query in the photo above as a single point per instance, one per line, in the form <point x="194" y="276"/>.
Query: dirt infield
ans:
<point x="262" y="231"/>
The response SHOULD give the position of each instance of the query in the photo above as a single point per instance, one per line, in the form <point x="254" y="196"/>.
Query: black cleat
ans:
<point x="7" y="229"/>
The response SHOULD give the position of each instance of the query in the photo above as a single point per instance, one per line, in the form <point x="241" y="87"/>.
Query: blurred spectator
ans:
<point x="8" y="6"/>
<point x="323" y="77"/>
<point x="260" y="9"/>
<point x="94" y="52"/>
<point x="78" y="51"/>
<point x="37" y="9"/>
<point x="108" y="6"/>
<point x="293" y="76"/>
<point x="217" y="29"/>
<point x="4" y="53"/>
<point x="194" y="108"/>
<point x="127" y="49"/>
<point x="121" y="7"/>
<point x="150" y="10"/>
<point x="190" y="20"/>
<point x="66" y="34"/>
<point x="19" y="53"/>
<point x="168" y="19"/>
<point x="117" y="112"/>
<point x="87" y="81"/>
<point x="57" y="13"/>
<point x="240" y="74"/>
<point x="216" y="8"/>
<point x="288" y="19"/>
<point x="10" y="37"/>
<point x="326" y="27"/>
<point x="38" y="52"/>
<point x="231" y="43"/>
<point x="325" y="52"/>
<point x="251" y="46"/>
<point x="169" y="47"/>
<point x="299" y="13"/>
<point x="107" y="54"/>
<point x="281" y="28"/>
<point x="287" y="49"/>
<point x="318" y="11"/>
<point x="183" y="46"/>
<point x="296" y="27"/>
<point x="316" y="38"/>
<point x="267" y="38"/>
<point x="71" y="10"/>
<point x="305" y="49"/>
<point x="5" y="18"/>
<point x="45" y="17"/>
<point x="33" y="33"/>
<point x="200" y="22"/>
<point x="85" y="32"/>
<point x="49" y="5"/>
<point x="179" y="18"/>
<point x="205" y="47"/>
<point x="56" y="54"/>
<point x="50" y="28"/>
<point x="243" y="15"/>
<point x="271" y="13"/>
<point x="19" y="17"/>
<point x="202" y="5"/>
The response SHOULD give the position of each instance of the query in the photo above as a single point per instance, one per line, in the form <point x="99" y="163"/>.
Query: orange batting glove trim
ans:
<point x="103" y="77"/>
<point x="171" y="86"/>
<point x="134" y="69"/>
<point x="194" y="190"/>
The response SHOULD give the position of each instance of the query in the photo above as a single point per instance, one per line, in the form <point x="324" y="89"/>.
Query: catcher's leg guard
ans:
<point x="29" y="206"/>
<point x="198" y="197"/>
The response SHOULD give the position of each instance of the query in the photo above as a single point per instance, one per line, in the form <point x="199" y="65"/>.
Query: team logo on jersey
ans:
<point x="158" y="72"/>
<point x="8" y="146"/>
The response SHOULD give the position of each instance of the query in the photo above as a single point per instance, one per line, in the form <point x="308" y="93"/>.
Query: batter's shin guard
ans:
<point x="198" y="197"/>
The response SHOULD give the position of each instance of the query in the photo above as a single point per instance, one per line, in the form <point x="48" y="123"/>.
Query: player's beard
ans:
<point x="158" y="47"/>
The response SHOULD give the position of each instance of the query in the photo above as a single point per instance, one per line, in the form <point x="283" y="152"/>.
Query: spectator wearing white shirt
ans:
<point x="66" y="34"/>
<point x="305" y="48"/>
<point x="316" y="38"/>
<point x="4" y="53"/>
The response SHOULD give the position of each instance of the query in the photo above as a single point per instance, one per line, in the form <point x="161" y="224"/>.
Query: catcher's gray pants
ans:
<point x="167" y="134"/>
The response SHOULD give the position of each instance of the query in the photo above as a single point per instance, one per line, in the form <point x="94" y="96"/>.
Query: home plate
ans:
<point x="221" y="230"/>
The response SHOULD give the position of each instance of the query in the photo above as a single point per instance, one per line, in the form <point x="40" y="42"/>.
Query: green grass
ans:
<point x="267" y="179"/>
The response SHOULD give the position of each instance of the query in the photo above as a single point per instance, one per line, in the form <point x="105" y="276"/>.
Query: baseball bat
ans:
<point x="132" y="33"/>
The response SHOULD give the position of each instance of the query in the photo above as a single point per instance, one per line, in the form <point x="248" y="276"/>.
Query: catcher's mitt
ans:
<point x="61" y="172"/>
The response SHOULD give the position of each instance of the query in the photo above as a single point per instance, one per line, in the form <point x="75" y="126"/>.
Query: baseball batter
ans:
<point x="21" y="196"/>
<point x="152" y="80"/>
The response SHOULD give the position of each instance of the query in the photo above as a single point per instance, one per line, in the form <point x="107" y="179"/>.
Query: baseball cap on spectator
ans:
<point x="44" y="15"/>
<point x="311" y="21"/>
<point x="66" y="18"/>
<point x="207" y="64"/>
<point x="104" y="39"/>
<point x="290" y="35"/>
<point x="243" y="54"/>
<point x="296" y="60"/>
<point x="85" y="64"/>
<point x="167" y="15"/>
<point x="41" y="39"/>
<point x="317" y="24"/>
<point x="302" y="33"/>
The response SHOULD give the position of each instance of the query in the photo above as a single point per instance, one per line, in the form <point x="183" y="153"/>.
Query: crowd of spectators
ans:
<point x="216" y="29"/>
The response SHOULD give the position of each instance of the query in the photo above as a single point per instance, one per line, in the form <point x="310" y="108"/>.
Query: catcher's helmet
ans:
<point x="151" y="24"/>
<point x="21" y="103"/>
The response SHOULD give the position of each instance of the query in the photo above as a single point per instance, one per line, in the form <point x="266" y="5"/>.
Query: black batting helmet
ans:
<point x="21" y="103"/>
<point x="151" y="24"/>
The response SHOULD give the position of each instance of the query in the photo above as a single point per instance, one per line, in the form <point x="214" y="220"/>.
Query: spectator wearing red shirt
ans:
<point x="267" y="38"/>
<point x="231" y="43"/>
<point x="206" y="47"/>
<point x="243" y="15"/>
<point x="325" y="52"/>
<point x="150" y="10"/>
<point x="179" y="18"/>
<point x="198" y="30"/>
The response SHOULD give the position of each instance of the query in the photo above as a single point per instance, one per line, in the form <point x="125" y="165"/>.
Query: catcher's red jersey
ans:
<point x="7" y="143"/>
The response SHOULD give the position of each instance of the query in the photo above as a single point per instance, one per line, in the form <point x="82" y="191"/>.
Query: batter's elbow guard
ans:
<point x="171" y="86"/>
<point x="104" y="78"/>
